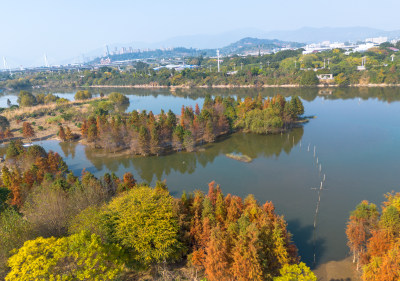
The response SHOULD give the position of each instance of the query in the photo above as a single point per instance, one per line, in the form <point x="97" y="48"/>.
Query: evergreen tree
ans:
<point x="61" y="133"/>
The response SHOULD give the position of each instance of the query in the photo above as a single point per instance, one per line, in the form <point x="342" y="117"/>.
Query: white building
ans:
<point x="377" y="40"/>
<point x="364" y="47"/>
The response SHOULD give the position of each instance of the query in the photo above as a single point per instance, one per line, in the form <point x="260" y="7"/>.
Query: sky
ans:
<point x="64" y="29"/>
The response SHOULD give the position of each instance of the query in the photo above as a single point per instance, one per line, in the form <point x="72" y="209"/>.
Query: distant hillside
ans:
<point x="249" y="44"/>
<point x="243" y="46"/>
<point x="193" y="44"/>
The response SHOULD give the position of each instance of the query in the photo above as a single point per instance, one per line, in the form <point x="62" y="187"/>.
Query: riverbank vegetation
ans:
<point x="288" y="67"/>
<point x="146" y="134"/>
<point x="40" y="116"/>
<point x="103" y="122"/>
<point x="56" y="225"/>
<point x="374" y="239"/>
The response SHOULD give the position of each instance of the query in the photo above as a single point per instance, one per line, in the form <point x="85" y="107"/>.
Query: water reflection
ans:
<point x="149" y="168"/>
<point x="68" y="148"/>
<point x="388" y="94"/>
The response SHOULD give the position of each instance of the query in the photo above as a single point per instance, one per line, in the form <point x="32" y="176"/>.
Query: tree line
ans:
<point x="281" y="68"/>
<point x="146" y="134"/>
<point x="54" y="225"/>
<point x="374" y="239"/>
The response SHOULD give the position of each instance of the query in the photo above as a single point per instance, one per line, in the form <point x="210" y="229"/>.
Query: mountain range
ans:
<point x="223" y="40"/>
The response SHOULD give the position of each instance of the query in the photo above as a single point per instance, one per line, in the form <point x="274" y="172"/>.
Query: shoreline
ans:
<point x="337" y="270"/>
<point x="172" y="88"/>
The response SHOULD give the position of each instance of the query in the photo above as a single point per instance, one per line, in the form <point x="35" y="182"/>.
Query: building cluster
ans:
<point x="130" y="50"/>
<point x="349" y="47"/>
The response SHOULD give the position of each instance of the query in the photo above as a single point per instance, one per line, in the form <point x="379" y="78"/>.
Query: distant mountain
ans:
<point x="211" y="41"/>
<point x="248" y="44"/>
<point x="303" y="35"/>
<point x="242" y="46"/>
<point x="224" y="40"/>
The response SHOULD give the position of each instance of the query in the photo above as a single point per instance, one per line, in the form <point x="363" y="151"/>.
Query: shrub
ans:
<point x="62" y="101"/>
<point x="4" y="124"/>
<point x="14" y="231"/>
<point x="83" y="95"/>
<point x="26" y="98"/>
<point x="118" y="98"/>
<point x="50" y="98"/>
<point x="54" y="119"/>
<point x="67" y="116"/>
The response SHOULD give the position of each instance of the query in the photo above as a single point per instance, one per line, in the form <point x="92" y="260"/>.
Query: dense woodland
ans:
<point x="56" y="226"/>
<point x="281" y="68"/>
<point x="146" y="134"/>
<point x="374" y="239"/>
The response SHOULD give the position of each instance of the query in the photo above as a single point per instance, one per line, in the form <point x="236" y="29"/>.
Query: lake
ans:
<point x="355" y="132"/>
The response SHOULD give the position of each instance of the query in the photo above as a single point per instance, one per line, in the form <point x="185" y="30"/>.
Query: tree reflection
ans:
<point x="68" y="148"/>
<point x="149" y="168"/>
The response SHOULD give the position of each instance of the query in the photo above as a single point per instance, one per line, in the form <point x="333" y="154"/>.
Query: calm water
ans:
<point x="356" y="133"/>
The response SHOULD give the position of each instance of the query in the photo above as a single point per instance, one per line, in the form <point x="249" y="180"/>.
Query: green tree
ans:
<point x="14" y="231"/>
<point x="341" y="80"/>
<point x="91" y="219"/>
<point x="309" y="78"/>
<point x="4" y="124"/>
<point x="143" y="221"/>
<point x="83" y="95"/>
<point x="390" y="220"/>
<point x="118" y="98"/>
<point x="14" y="149"/>
<point x="26" y="98"/>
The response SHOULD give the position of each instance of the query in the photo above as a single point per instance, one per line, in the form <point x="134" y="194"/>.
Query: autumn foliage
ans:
<point x="220" y="237"/>
<point x="146" y="134"/>
<point x="28" y="131"/>
<point x="232" y="239"/>
<point x="374" y="239"/>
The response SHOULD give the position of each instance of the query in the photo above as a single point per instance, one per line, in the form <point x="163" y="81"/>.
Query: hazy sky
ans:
<point x="68" y="28"/>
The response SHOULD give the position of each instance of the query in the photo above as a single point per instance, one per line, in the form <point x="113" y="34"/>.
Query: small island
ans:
<point x="239" y="157"/>
<point x="103" y="123"/>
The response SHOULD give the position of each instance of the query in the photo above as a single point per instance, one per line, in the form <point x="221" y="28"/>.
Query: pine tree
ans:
<point x="68" y="134"/>
<point x="6" y="177"/>
<point x="197" y="109"/>
<point x="61" y="134"/>
<point x="8" y="134"/>
<point x="154" y="141"/>
<point x="143" y="141"/>
<point x="246" y="265"/>
<point x="182" y="118"/>
<point x="84" y="129"/>
<point x="27" y="131"/>
<point x="217" y="257"/>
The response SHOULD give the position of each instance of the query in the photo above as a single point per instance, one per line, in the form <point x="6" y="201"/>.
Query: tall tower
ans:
<point x="6" y="66"/>
<point x="218" y="59"/>
<point x="107" y="52"/>
<point x="46" y="62"/>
